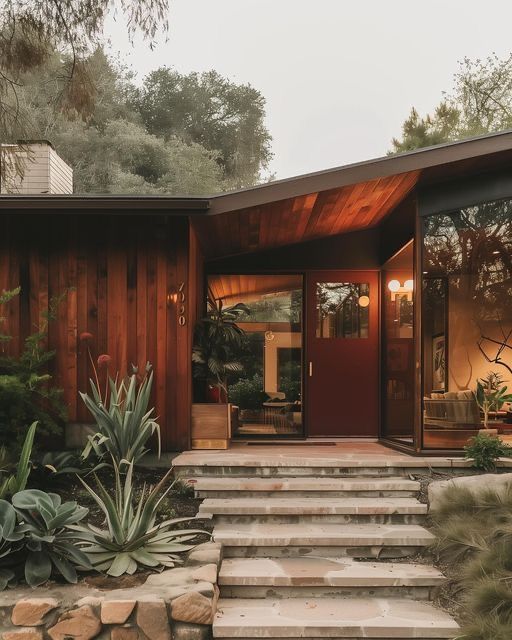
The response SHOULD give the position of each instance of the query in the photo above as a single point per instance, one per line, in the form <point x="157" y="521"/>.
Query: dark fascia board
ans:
<point x="106" y="204"/>
<point x="362" y="172"/>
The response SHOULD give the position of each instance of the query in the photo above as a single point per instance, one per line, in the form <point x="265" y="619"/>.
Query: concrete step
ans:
<point x="310" y="577"/>
<point x="331" y="618"/>
<point x="326" y="540"/>
<point x="290" y="509"/>
<point x="242" y="487"/>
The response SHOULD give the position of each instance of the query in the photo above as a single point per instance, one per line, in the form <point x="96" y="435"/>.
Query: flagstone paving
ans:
<point x="311" y="544"/>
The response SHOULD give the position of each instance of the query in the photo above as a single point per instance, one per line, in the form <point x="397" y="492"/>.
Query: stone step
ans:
<point x="326" y="540"/>
<point x="325" y="577"/>
<point x="348" y="618"/>
<point x="336" y="510"/>
<point x="224" y="487"/>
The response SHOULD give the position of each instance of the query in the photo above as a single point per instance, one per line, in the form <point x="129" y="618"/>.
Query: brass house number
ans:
<point x="182" y="299"/>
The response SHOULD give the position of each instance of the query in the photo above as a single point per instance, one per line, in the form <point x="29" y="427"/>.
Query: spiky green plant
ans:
<point x="50" y="543"/>
<point x="17" y="481"/>
<point x="474" y="542"/>
<point x="132" y="536"/>
<point x="126" y="424"/>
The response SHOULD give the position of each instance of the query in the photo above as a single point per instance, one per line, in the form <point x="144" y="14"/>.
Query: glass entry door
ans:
<point x="342" y="374"/>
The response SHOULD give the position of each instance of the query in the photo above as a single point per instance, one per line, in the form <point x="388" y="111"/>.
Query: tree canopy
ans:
<point x="199" y="135"/>
<point x="480" y="102"/>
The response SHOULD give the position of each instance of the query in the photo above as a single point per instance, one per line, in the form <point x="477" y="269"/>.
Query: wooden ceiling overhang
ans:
<point x="304" y="217"/>
<point x="338" y="201"/>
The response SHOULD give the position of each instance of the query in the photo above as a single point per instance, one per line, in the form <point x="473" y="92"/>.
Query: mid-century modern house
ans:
<point x="375" y="296"/>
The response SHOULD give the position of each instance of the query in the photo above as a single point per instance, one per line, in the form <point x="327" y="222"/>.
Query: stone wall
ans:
<point x="177" y="604"/>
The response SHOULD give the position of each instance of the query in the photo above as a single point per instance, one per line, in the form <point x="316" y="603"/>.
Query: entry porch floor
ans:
<point x="340" y="454"/>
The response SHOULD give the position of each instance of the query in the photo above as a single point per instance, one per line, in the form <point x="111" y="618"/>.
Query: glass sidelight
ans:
<point x="267" y="388"/>
<point x="398" y="347"/>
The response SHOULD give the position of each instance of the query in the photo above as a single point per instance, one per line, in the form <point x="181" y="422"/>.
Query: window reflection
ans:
<point x="267" y="392"/>
<point x="342" y="309"/>
<point x="467" y="327"/>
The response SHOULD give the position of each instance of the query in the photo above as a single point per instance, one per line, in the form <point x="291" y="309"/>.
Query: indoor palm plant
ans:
<point x="217" y="341"/>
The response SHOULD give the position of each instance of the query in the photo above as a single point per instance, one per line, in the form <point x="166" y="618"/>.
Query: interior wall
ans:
<point x="466" y="363"/>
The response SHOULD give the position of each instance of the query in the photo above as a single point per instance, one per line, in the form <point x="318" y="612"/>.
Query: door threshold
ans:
<point x="312" y="442"/>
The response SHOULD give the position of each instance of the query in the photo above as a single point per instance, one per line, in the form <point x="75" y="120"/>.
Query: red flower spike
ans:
<point x="104" y="360"/>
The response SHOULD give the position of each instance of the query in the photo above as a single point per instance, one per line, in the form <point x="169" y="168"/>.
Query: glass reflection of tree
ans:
<point x="338" y="301"/>
<point x="473" y="247"/>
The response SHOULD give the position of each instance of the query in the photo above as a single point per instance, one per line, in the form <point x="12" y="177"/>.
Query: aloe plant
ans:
<point x="49" y="542"/>
<point x="132" y="536"/>
<point x="11" y="541"/>
<point x="125" y="426"/>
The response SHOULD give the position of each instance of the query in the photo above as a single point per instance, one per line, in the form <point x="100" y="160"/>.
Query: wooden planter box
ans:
<point x="212" y="424"/>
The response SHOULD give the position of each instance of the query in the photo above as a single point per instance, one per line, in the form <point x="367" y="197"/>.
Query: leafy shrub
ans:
<point x="49" y="542"/>
<point x="486" y="450"/>
<point x="248" y="393"/>
<point x="27" y="394"/>
<point x="124" y="421"/>
<point x="132" y="537"/>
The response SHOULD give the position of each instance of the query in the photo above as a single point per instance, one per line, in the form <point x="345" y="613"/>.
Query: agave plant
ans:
<point x="11" y="541"/>
<point x="125" y="426"/>
<point x="132" y="537"/>
<point x="50" y="543"/>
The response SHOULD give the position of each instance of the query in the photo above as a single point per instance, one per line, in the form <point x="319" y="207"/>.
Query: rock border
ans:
<point x="176" y="604"/>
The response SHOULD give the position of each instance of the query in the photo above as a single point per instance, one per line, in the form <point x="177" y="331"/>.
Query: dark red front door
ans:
<point x="342" y="366"/>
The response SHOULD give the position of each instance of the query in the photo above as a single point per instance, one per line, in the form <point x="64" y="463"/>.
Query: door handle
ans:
<point x="310" y="369"/>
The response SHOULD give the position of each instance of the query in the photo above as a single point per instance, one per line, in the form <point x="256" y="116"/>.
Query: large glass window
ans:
<point x="267" y="389"/>
<point x="467" y="322"/>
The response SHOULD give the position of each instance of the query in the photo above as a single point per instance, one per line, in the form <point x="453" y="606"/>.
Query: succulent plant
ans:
<point x="132" y="536"/>
<point x="49" y="542"/>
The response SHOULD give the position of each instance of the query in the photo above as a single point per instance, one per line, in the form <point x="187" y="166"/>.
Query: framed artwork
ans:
<point x="439" y="362"/>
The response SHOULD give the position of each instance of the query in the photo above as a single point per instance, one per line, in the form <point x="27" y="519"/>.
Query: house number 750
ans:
<point x="182" y="320"/>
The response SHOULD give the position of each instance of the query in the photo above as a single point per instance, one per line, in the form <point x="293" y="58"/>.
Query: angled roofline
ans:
<point x="385" y="166"/>
<point x="364" y="171"/>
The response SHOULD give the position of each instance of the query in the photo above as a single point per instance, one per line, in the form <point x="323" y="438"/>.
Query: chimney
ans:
<point x="33" y="167"/>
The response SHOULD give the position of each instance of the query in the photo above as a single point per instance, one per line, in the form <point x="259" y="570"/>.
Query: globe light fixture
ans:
<point x="409" y="285"/>
<point x="394" y="286"/>
<point x="364" y="301"/>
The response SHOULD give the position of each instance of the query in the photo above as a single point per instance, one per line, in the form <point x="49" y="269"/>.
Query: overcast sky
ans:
<point x="339" y="76"/>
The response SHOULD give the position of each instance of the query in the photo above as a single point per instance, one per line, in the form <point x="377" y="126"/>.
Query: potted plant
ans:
<point x="491" y="395"/>
<point x="217" y="341"/>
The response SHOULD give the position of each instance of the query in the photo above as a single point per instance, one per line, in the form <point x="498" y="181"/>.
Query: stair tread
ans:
<point x="330" y="617"/>
<point x="230" y="483"/>
<point x="306" y="533"/>
<point x="315" y="571"/>
<point x="298" y="506"/>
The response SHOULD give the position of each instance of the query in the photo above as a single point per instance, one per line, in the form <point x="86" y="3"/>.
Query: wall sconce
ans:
<point x="395" y="287"/>
<point x="172" y="297"/>
<point x="364" y="301"/>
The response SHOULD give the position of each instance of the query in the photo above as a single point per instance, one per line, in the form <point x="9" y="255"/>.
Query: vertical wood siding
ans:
<point x="117" y="272"/>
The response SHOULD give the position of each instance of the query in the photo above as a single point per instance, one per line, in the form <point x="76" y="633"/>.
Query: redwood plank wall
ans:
<point x="117" y="273"/>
